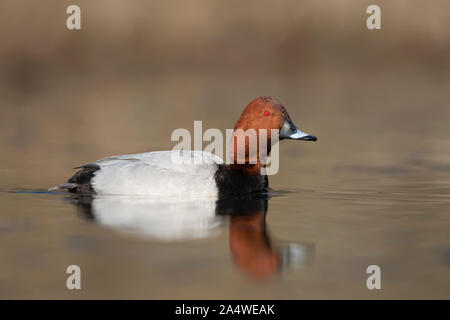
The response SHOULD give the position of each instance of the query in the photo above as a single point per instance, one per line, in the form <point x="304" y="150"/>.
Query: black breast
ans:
<point x="233" y="183"/>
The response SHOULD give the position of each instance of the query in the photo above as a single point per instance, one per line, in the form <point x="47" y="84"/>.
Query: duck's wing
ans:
<point x="161" y="172"/>
<point x="113" y="160"/>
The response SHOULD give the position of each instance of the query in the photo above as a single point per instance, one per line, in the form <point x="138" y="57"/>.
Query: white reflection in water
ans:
<point x="159" y="218"/>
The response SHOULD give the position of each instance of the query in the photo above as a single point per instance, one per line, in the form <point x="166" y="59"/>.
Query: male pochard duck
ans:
<point x="156" y="173"/>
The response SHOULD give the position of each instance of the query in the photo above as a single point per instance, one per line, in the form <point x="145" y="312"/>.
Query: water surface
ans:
<point x="374" y="189"/>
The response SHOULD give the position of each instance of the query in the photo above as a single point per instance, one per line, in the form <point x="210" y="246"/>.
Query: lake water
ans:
<point x="373" y="190"/>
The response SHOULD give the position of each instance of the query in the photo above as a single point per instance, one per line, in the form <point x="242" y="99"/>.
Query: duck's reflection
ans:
<point x="181" y="219"/>
<point x="164" y="219"/>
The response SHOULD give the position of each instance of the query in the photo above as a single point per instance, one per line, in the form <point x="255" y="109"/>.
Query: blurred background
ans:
<point x="378" y="100"/>
<point x="138" y="70"/>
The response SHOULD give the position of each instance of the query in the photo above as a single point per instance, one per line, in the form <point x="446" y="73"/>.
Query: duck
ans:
<point x="167" y="173"/>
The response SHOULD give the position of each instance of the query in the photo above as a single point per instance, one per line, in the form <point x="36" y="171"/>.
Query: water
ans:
<point x="314" y="244"/>
<point x="374" y="190"/>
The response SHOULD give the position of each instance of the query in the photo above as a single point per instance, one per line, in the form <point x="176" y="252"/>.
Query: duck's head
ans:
<point x="268" y="113"/>
<point x="263" y="118"/>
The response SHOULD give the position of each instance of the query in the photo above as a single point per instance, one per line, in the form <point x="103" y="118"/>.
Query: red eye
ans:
<point x="266" y="113"/>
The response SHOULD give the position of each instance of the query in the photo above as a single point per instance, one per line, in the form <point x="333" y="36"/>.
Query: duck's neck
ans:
<point x="250" y="163"/>
<point x="247" y="168"/>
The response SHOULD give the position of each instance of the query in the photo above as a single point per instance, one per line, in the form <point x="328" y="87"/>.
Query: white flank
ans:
<point x="168" y="173"/>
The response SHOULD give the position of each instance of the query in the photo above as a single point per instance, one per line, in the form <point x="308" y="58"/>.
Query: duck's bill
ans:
<point x="290" y="131"/>
<point x="300" y="135"/>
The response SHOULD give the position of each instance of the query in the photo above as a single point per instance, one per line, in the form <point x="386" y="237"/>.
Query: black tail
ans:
<point x="80" y="182"/>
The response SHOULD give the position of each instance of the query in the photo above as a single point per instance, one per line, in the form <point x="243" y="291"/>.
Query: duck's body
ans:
<point x="168" y="173"/>
<point x="189" y="173"/>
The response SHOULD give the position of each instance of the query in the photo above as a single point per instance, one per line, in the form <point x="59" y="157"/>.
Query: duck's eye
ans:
<point x="266" y="113"/>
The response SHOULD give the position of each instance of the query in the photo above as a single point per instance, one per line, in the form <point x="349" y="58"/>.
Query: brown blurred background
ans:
<point x="138" y="69"/>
